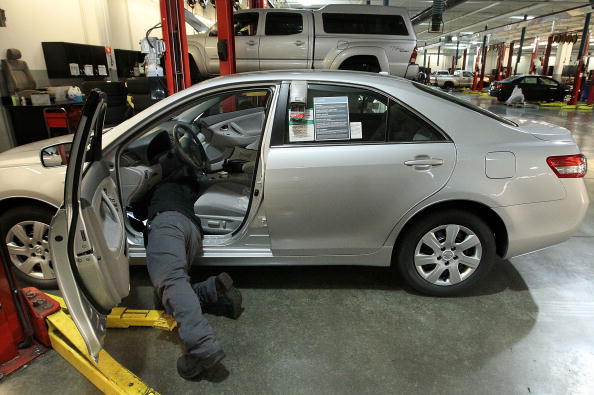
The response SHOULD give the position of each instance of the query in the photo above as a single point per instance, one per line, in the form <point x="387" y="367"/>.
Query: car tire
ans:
<point x="29" y="218"/>
<point x="501" y="99"/>
<point x="448" y="85"/>
<point x="454" y="272"/>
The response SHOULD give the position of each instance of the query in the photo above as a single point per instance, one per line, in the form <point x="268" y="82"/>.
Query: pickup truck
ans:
<point x="460" y="79"/>
<point x="346" y="37"/>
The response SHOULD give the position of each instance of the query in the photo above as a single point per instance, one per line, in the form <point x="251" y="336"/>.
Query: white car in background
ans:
<point x="344" y="37"/>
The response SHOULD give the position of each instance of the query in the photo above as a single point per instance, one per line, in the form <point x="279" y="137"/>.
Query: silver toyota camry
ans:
<point x="297" y="168"/>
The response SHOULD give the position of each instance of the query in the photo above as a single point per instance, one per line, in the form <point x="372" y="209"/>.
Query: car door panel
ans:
<point x="345" y="199"/>
<point x="87" y="236"/>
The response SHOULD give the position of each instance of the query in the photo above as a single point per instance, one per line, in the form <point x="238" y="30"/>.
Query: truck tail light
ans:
<point x="413" y="56"/>
<point x="568" y="166"/>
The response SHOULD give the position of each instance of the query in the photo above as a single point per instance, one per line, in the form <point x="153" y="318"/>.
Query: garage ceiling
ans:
<point x="474" y="15"/>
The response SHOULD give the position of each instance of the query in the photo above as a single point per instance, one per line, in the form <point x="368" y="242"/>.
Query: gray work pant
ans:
<point x="174" y="241"/>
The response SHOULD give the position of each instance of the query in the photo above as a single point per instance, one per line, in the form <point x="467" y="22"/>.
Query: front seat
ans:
<point x="17" y="73"/>
<point x="222" y="207"/>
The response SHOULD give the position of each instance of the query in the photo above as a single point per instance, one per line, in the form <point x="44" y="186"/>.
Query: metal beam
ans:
<point x="177" y="65"/>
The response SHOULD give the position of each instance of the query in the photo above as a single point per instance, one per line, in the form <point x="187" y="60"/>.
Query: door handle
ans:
<point x="299" y="42"/>
<point x="251" y="43"/>
<point x="424" y="163"/>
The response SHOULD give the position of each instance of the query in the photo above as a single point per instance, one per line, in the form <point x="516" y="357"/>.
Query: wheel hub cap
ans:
<point x="28" y="248"/>
<point x="448" y="254"/>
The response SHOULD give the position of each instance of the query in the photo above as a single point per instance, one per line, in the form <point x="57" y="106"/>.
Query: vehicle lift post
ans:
<point x="177" y="65"/>
<point x="481" y="83"/>
<point x="547" y="55"/>
<point x="577" y="81"/>
<point x="500" y="56"/>
<point x="226" y="43"/>
<point x="532" y="68"/>
<point x="476" y="69"/>
<point x="509" y="59"/>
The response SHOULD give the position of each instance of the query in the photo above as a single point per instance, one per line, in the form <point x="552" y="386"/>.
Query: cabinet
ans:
<point x="59" y="55"/>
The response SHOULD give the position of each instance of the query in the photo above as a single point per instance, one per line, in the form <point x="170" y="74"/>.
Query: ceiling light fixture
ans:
<point x="521" y="17"/>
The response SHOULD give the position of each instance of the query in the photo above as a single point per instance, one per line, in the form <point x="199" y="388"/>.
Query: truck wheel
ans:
<point x="448" y="85"/>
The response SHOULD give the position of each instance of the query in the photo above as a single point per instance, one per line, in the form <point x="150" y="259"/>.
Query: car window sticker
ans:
<point x="302" y="129"/>
<point x="331" y="118"/>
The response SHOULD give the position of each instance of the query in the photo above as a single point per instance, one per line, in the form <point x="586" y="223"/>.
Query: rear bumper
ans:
<point x="534" y="226"/>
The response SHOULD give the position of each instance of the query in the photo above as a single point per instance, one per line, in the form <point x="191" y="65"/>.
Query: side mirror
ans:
<point x="56" y="155"/>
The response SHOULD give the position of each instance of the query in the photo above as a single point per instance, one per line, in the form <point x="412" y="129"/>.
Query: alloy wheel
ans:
<point x="448" y="254"/>
<point x="27" y="243"/>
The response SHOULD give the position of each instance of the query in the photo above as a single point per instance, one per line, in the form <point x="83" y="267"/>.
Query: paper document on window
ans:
<point x="88" y="69"/>
<point x="331" y="118"/>
<point x="302" y="130"/>
<point x="102" y="69"/>
<point x="356" y="130"/>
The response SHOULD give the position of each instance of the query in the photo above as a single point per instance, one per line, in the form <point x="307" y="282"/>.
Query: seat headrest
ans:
<point x="13" y="54"/>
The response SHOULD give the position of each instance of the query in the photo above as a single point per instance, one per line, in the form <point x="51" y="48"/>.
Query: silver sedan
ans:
<point x="322" y="168"/>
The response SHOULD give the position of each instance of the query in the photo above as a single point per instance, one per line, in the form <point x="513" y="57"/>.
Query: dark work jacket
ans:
<point x="178" y="192"/>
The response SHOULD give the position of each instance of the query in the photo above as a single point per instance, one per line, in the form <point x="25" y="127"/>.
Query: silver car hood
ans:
<point x="542" y="130"/>
<point x="29" y="154"/>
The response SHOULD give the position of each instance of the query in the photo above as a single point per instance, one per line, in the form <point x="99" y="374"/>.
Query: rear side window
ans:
<point x="340" y="114"/>
<point x="407" y="127"/>
<point x="392" y="25"/>
<point x="548" y="82"/>
<point x="283" y="23"/>
<point x="529" y="80"/>
<point x="463" y="103"/>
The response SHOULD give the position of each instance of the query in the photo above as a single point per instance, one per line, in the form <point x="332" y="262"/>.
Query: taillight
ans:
<point x="568" y="166"/>
<point x="499" y="86"/>
<point x="413" y="56"/>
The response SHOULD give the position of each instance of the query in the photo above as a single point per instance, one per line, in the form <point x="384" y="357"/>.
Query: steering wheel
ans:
<point x="188" y="147"/>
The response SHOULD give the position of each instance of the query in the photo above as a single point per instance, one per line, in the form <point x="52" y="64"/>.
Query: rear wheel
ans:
<point x="448" y="85"/>
<point x="446" y="253"/>
<point x="24" y="232"/>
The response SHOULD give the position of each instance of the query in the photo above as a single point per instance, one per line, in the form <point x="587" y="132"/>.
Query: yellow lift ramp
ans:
<point x="108" y="375"/>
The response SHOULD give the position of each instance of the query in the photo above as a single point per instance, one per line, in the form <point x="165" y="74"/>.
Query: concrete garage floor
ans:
<point x="528" y="329"/>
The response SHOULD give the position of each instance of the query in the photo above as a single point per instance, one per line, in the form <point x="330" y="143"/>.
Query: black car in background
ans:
<point x="534" y="87"/>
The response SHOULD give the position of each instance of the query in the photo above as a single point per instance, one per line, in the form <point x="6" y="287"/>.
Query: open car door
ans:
<point x="87" y="235"/>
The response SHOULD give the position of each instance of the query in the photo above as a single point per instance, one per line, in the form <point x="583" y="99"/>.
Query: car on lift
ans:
<point x="345" y="37"/>
<point x="301" y="168"/>
<point x="534" y="88"/>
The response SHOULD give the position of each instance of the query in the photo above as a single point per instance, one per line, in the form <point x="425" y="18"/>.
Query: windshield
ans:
<point x="463" y="103"/>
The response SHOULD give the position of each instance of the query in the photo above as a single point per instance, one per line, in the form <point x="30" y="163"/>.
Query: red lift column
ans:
<point x="547" y="55"/>
<point x="226" y="43"/>
<point x="177" y="65"/>
<point x="577" y="81"/>
<point x="509" y="59"/>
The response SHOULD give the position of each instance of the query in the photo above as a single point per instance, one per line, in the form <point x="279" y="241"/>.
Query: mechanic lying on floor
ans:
<point x="174" y="242"/>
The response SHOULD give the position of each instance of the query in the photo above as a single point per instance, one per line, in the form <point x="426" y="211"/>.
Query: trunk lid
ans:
<point x="543" y="130"/>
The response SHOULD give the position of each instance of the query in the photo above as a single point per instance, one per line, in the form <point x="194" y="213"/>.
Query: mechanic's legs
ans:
<point x="171" y="236"/>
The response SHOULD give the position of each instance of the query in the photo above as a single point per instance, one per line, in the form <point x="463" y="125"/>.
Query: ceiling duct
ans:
<point x="435" y="13"/>
<point x="436" y="25"/>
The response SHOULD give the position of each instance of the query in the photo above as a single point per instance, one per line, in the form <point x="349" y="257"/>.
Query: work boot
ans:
<point x="191" y="367"/>
<point x="229" y="298"/>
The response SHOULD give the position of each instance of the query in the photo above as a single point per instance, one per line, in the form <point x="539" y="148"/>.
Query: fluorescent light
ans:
<point x="521" y="17"/>
<point x="454" y="38"/>
<point x="466" y="33"/>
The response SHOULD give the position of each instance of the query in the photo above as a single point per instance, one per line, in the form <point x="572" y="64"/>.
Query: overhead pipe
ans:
<point x="435" y="11"/>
